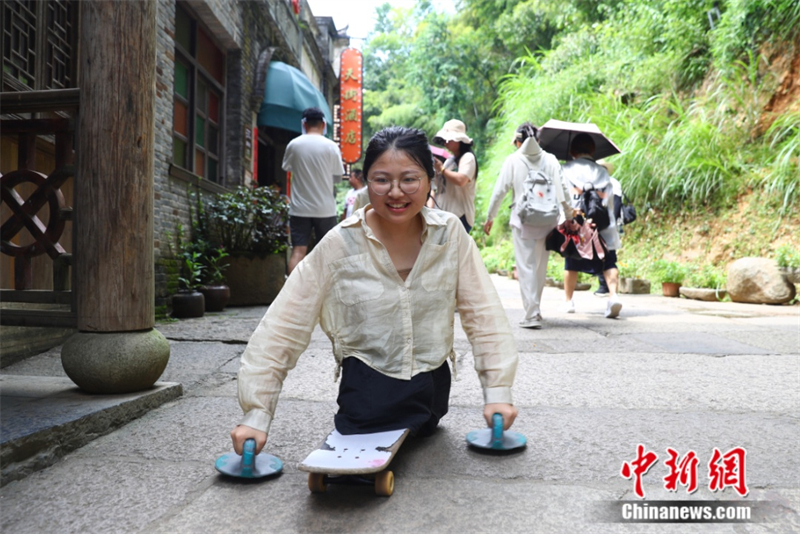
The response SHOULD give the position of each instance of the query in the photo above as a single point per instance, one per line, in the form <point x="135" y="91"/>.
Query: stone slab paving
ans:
<point x="667" y="374"/>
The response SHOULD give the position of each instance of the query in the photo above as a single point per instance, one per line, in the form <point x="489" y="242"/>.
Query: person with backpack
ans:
<point x="593" y="195"/>
<point x="540" y="201"/>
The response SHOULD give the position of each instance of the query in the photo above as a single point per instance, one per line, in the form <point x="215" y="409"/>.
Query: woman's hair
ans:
<point x="463" y="148"/>
<point x="412" y="142"/>
<point x="526" y="130"/>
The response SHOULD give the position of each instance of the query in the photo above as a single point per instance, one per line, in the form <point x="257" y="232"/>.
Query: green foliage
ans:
<point x="665" y="271"/>
<point x="788" y="256"/>
<point x="706" y="276"/>
<point x="188" y="260"/>
<point x="782" y="161"/>
<point x="555" y="267"/>
<point x="498" y="258"/>
<point x="745" y="24"/>
<point x="248" y="221"/>
<point x="214" y="266"/>
<point x="631" y="267"/>
<point x="192" y="270"/>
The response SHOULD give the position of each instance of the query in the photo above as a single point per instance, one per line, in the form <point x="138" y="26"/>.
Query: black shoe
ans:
<point x="601" y="292"/>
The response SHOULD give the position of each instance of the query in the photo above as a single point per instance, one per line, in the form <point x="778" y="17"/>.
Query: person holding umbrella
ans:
<point x="529" y="240"/>
<point x="581" y="173"/>
<point x="455" y="178"/>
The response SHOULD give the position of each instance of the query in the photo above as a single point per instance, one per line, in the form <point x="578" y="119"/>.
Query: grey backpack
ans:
<point x="539" y="203"/>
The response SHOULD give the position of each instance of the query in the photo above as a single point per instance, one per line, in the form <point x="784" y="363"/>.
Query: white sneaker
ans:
<point x="569" y="307"/>
<point x="613" y="307"/>
<point x="536" y="322"/>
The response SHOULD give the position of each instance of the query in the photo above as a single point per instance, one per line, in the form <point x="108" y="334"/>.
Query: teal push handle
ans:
<point x="249" y="457"/>
<point x="497" y="431"/>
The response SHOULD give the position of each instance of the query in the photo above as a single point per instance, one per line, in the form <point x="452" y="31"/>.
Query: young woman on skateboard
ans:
<point x="384" y="286"/>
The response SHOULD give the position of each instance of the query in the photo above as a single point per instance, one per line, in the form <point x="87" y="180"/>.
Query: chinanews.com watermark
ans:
<point x="725" y="470"/>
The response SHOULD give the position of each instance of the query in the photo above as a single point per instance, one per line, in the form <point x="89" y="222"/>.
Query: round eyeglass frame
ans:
<point x="399" y="184"/>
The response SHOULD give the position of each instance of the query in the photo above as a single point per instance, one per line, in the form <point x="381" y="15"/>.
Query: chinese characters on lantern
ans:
<point x="350" y="86"/>
<point x="724" y="470"/>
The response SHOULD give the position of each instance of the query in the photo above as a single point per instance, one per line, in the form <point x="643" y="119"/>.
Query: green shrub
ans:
<point x="248" y="221"/>
<point x="787" y="256"/>
<point x="707" y="277"/>
<point x="499" y="257"/>
<point x="665" y="271"/>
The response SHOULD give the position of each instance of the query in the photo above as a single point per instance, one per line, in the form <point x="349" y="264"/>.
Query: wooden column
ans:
<point x="114" y="276"/>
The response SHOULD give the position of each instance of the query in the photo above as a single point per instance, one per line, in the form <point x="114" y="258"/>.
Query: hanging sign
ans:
<point x="350" y="85"/>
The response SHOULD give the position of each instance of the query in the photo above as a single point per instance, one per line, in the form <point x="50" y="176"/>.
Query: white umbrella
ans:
<point x="556" y="136"/>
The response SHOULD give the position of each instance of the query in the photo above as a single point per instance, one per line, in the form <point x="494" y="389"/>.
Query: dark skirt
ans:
<point x="593" y="267"/>
<point x="370" y="401"/>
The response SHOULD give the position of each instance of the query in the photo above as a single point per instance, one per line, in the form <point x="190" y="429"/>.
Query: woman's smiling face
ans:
<point x="397" y="206"/>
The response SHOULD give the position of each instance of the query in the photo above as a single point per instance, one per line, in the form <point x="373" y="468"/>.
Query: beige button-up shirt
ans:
<point x="349" y="285"/>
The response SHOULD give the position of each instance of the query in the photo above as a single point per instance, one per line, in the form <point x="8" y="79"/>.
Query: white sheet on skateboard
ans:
<point x="356" y="451"/>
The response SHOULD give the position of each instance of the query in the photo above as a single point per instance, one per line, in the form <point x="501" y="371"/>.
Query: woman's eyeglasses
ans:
<point x="408" y="185"/>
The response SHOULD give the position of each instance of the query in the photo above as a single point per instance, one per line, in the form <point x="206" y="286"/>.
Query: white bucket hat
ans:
<point x="453" y="130"/>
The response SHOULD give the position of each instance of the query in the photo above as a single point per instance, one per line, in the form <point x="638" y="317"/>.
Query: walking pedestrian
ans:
<point x="602" y="288"/>
<point x="581" y="173"/>
<point x="356" y="180"/>
<point x="529" y="240"/>
<point x="316" y="165"/>
<point x="455" y="178"/>
<point x="384" y="285"/>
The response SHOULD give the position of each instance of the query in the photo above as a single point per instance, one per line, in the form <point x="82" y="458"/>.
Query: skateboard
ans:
<point x="354" y="459"/>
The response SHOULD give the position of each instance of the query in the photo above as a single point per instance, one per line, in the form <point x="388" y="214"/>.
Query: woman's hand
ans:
<point x="487" y="226"/>
<point x="508" y="411"/>
<point x="242" y="433"/>
<point x="437" y="165"/>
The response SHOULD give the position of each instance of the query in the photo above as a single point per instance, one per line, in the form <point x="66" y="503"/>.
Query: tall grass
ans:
<point x="698" y="148"/>
<point x="782" y="179"/>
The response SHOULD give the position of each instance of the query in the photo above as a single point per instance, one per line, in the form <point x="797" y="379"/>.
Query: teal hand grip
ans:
<point x="249" y="457"/>
<point x="497" y="431"/>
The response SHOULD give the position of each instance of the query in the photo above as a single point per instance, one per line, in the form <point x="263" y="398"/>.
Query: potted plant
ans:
<point x="188" y="301"/>
<point x="214" y="289"/>
<point x="671" y="275"/>
<point x="251" y="225"/>
<point x="705" y="283"/>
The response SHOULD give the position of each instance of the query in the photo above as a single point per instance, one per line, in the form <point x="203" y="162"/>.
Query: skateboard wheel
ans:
<point x="316" y="483"/>
<point x="384" y="483"/>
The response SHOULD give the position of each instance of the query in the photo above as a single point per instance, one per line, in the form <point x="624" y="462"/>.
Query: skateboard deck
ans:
<point x="356" y="454"/>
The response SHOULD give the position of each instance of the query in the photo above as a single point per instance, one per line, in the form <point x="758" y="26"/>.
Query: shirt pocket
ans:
<point x="440" y="271"/>
<point x="356" y="280"/>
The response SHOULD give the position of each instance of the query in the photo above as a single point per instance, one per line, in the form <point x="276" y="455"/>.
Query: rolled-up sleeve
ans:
<point x="282" y="335"/>
<point x="485" y="322"/>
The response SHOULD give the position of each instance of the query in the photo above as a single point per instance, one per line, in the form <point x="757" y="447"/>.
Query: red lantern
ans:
<point x="296" y="6"/>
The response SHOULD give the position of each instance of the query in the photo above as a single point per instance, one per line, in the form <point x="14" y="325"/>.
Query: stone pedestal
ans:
<point x="115" y="362"/>
<point x="634" y="286"/>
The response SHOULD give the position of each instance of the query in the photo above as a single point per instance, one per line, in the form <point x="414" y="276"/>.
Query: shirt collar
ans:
<point x="429" y="218"/>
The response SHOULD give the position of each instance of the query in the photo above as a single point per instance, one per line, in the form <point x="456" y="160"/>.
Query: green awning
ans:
<point x="287" y="93"/>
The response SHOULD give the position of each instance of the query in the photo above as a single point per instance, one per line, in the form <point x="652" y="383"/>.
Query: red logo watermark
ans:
<point x="724" y="470"/>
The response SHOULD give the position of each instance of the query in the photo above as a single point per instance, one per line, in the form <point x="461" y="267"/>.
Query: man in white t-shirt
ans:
<point x="316" y="165"/>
